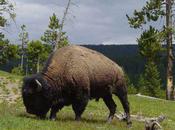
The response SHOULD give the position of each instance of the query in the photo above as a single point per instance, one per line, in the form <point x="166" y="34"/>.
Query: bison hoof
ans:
<point x="78" y="118"/>
<point x="109" y="120"/>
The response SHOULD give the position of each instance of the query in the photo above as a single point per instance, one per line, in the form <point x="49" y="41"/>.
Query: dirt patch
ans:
<point x="10" y="89"/>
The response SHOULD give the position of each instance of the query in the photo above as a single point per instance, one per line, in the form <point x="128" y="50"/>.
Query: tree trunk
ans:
<point x="170" y="88"/>
<point x="38" y="64"/>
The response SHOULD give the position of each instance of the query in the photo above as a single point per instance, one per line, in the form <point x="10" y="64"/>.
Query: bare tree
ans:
<point x="62" y="25"/>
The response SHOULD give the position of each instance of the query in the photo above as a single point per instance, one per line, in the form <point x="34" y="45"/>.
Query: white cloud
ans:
<point x="95" y="22"/>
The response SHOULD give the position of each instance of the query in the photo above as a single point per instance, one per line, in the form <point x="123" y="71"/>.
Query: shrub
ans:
<point x="17" y="70"/>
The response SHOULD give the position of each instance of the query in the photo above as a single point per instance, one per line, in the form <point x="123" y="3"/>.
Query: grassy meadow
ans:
<point x="14" y="117"/>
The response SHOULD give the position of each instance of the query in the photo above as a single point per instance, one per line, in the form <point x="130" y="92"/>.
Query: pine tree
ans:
<point x="51" y="34"/>
<point x="150" y="48"/>
<point x="150" y="44"/>
<point x="152" y="79"/>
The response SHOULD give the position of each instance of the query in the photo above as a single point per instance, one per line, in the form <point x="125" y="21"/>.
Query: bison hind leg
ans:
<point x="79" y="106"/>
<point x="122" y="95"/>
<point x="111" y="106"/>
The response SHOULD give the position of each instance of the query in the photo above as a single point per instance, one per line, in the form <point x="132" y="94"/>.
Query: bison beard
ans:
<point x="72" y="76"/>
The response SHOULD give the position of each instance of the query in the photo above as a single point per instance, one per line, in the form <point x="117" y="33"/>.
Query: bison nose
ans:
<point x="29" y="111"/>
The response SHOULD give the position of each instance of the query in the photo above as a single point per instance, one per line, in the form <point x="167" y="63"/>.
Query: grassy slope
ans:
<point x="9" y="87"/>
<point x="14" y="117"/>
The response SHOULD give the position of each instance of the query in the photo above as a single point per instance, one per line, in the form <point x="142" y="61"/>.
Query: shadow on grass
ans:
<point x="64" y="119"/>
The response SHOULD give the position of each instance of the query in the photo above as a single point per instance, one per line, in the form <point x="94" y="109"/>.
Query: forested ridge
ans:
<point x="126" y="56"/>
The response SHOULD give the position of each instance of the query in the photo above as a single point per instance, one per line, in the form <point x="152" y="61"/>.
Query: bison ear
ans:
<point x="39" y="85"/>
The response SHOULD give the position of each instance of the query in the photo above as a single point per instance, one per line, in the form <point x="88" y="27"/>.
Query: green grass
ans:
<point x="14" y="117"/>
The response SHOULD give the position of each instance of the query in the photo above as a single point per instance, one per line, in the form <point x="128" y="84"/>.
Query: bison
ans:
<point x="72" y="76"/>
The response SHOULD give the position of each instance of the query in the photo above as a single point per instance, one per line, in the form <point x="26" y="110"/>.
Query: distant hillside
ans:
<point x="126" y="56"/>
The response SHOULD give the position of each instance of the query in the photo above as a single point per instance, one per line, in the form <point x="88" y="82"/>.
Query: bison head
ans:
<point x="34" y="94"/>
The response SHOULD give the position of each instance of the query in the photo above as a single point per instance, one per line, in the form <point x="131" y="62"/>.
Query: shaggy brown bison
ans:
<point x="72" y="76"/>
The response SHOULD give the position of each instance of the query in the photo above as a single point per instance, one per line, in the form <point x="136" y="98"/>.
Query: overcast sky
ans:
<point x="88" y="22"/>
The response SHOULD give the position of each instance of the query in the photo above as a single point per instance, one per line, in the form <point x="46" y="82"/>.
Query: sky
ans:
<point x="88" y="21"/>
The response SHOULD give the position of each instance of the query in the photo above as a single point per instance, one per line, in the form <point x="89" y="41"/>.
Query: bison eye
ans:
<point x="28" y="91"/>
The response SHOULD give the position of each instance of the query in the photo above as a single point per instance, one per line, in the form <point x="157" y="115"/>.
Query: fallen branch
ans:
<point x="150" y="123"/>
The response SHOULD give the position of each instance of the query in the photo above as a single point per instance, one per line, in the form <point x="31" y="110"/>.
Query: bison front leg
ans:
<point x="79" y="107"/>
<point x="111" y="106"/>
<point x="54" y="110"/>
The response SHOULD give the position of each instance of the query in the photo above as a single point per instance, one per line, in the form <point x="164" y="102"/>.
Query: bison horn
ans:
<point x="39" y="84"/>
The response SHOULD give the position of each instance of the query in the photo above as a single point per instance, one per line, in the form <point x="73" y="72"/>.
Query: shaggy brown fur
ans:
<point x="75" y="74"/>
